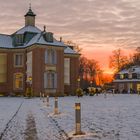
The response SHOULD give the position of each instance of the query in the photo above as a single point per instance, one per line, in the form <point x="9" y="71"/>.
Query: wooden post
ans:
<point x="78" y="119"/>
<point x="47" y="100"/>
<point x="40" y="95"/>
<point x="56" y="105"/>
<point x="43" y="97"/>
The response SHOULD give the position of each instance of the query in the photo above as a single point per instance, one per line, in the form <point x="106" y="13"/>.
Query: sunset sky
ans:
<point x="98" y="26"/>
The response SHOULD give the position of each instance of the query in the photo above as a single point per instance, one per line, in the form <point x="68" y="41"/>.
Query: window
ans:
<point x="50" y="80"/>
<point x="19" y="39"/>
<point x="130" y="75"/>
<point x="138" y="75"/>
<point x="29" y="65"/>
<point x="18" y="81"/>
<point x="18" y="60"/>
<point x="126" y="75"/>
<point x="3" y="68"/>
<point x="121" y="76"/>
<point x="50" y="56"/>
<point x="138" y="87"/>
<point x="67" y="70"/>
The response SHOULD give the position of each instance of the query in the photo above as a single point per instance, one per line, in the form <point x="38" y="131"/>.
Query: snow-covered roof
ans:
<point x="126" y="80"/>
<point x="39" y="39"/>
<point x="133" y="69"/>
<point x="32" y="29"/>
<point x="5" y="41"/>
<point x="68" y="50"/>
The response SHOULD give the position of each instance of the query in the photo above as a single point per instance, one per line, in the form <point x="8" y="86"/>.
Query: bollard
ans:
<point x="40" y="95"/>
<point x="56" y="105"/>
<point x="47" y="100"/>
<point x="43" y="97"/>
<point x="78" y="119"/>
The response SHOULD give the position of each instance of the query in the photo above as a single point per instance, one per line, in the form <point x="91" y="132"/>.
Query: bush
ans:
<point x="92" y="92"/>
<point x="79" y="92"/>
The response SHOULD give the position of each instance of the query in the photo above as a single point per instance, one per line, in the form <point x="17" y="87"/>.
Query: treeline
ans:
<point x="118" y="61"/>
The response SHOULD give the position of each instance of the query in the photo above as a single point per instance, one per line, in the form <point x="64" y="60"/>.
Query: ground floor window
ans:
<point x="138" y="87"/>
<point x="3" y="68"/>
<point x="50" y="80"/>
<point x="18" y="81"/>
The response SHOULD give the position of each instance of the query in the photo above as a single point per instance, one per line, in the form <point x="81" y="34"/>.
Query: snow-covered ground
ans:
<point x="112" y="118"/>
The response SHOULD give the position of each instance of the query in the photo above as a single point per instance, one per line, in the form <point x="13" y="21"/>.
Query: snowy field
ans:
<point x="113" y="118"/>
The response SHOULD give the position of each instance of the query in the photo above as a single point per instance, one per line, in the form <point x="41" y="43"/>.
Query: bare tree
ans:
<point x="117" y="60"/>
<point x="74" y="46"/>
<point x="136" y="57"/>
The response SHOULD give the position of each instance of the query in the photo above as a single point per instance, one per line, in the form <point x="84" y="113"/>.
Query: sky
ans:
<point x="97" y="26"/>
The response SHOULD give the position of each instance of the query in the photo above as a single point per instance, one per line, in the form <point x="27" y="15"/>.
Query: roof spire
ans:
<point x="44" y="28"/>
<point x="30" y="6"/>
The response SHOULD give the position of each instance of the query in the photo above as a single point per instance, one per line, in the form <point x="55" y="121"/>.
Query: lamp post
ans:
<point x="78" y="80"/>
<point x="91" y="83"/>
<point x="30" y="83"/>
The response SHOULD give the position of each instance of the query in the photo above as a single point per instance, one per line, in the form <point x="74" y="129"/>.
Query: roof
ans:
<point x="39" y="39"/>
<point x="32" y="29"/>
<point x="133" y="69"/>
<point x="68" y="50"/>
<point x="5" y="41"/>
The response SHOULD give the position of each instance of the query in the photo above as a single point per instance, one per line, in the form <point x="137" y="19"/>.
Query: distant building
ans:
<point x="31" y="57"/>
<point x="128" y="80"/>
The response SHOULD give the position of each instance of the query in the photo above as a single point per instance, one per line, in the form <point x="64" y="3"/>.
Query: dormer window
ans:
<point x="19" y="39"/>
<point x="48" y="36"/>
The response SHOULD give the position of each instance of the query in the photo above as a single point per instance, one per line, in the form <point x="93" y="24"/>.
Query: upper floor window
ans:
<point x="138" y="75"/>
<point x="134" y="75"/>
<point x="67" y="70"/>
<point x="130" y="75"/>
<point x="50" y="56"/>
<point x="18" y="39"/>
<point x="126" y="75"/>
<point x="18" y="60"/>
<point x="121" y="76"/>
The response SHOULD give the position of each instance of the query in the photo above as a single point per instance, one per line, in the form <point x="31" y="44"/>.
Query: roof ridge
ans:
<point x="5" y="34"/>
<point x="25" y="27"/>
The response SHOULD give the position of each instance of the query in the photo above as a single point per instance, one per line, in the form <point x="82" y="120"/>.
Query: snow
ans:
<point x="111" y="118"/>
<point x="28" y="29"/>
<point x="5" y="41"/>
<point x="133" y="69"/>
<point x="69" y="51"/>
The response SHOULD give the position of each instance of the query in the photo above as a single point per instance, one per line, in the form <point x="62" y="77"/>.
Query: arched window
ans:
<point x="50" y="56"/>
<point x="50" y="80"/>
<point x="18" y="81"/>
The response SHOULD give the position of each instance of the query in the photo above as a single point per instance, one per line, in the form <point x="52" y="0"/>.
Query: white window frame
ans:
<point x="50" y="56"/>
<point x="50" y="77"/>
<point x="22" y="60"/>
<point x="4" y="65"/>
<point x="67" y="71"/>
<point x="14" y="82"/>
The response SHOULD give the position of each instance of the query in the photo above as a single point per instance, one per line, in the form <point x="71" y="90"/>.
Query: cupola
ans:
<point x="30" y="17"/>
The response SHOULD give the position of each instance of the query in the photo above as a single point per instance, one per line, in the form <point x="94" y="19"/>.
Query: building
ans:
<point x="31" y="57"/>
<point x="128" y="80"/>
